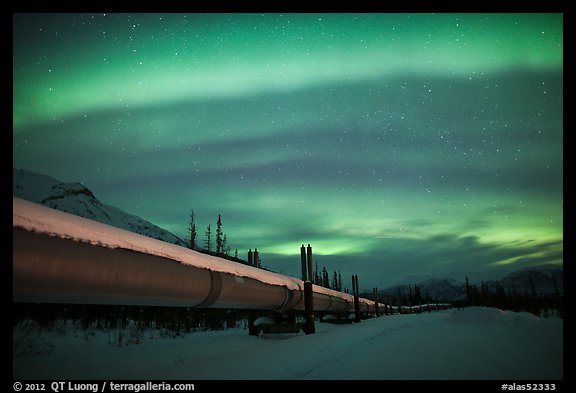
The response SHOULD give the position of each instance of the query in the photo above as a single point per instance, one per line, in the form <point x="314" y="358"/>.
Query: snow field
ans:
<point x="471" y="343"/>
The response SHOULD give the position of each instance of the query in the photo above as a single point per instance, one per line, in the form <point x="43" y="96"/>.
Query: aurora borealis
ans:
<point x="395" y="144"/>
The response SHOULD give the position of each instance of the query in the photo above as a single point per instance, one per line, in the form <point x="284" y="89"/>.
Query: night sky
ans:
<point x="395" y="144"/>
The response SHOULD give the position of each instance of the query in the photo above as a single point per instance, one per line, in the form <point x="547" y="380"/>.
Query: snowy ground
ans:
<point x="472" y="343"/>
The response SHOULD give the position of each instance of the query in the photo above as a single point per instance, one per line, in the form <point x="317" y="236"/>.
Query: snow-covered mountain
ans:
<point x="75" y="198"/>
<point x="434" y="288"/>
<point x="442" y="288"/>
<point x="546" y="280"/>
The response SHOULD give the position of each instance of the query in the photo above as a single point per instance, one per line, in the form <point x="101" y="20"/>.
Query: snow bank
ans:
<point x="263" y="321"/>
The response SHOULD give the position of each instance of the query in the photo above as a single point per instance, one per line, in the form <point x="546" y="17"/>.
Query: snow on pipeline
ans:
<point x="34" y="217"/>
<point x="474" y="343"/>
<point x="37" y="218"/>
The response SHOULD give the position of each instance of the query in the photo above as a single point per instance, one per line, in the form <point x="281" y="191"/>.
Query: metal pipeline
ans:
<point x="51" y="268"/>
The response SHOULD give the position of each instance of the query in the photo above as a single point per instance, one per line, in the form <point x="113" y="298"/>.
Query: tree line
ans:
<point x="125" y="324"/>
<point x="528" y="300"/>
<point x="222" y="247"/>
<point x="323" y="279"/>
<point x="402" y="297"/>
<point x="213" y="243"/>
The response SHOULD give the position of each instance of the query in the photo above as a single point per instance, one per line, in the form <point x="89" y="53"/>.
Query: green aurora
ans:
<point x="395" y="144"/>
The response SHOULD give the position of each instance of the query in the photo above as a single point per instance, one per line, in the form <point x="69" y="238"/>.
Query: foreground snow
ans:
<point x="473" y="343"/>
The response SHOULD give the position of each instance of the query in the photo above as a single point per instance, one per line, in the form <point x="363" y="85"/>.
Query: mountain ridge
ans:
<point x="77" y="199"/>
<point x="545" y="280"/>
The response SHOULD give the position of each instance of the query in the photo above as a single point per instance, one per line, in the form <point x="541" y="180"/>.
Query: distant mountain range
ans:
<point x="75" y="198"/>
<point x="545" y="280"/>
<point x="435" y="288"/>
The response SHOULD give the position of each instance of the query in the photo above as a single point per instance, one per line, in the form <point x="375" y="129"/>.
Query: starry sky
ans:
<point x="397" y="145"/>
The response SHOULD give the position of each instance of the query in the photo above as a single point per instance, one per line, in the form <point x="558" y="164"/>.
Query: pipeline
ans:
<point x="62" y="258"/>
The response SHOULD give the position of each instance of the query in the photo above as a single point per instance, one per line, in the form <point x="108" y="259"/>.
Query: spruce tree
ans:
<point x="317" y="280"/>
<point x="468" y="291"/>
<point x="225" y="246"/>
<point x="335" y="281"/>
<point x="532" y="286"/>
<point x="325" y="278"/>
<point x="208" y="240"/>
<point x="417" y="294"/>
<point x="219" y="240"/>
<point x="192" y="232"/>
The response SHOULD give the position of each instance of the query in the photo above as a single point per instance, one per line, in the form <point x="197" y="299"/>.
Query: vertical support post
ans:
<point x="309" y="252"/>
<point x="303" y="261"/>
<point x="354" y="295"/>
<point x="376" y="302"/>
<point x="386" y="300"/>
<point x="256" y="258"/>
<point x="356" y="298"/>
<point x="250" y="257"/>
<point x="410" y="299"/>
<point x="309" y="327"/>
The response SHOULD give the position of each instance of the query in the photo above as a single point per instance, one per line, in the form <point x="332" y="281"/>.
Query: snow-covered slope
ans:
<point x="436" y="288"/>
<point x="442" y="288"/>
<point x="467" y="344"/>
<point x="75" y="198"/>
<point x="545" y="280"/>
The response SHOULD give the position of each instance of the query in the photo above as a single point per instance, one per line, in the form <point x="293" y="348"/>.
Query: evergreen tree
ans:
<point x="236" y="253"/>
<point x="556" y="292"/>
<point x="317" y="280"/>
<point x="339" y="281"/>
<point x="225" y="247"/>
<point x="219" y="240"/>
<point x="500" y="296"/>
<point x="532" y="286"/>
<point x="468" y="292"/>
<point x="533" y="303"/>
<point x="192" y="232"/>
<point x="484" y="293"/>
<point x="325" y="278"/>
<point x="208" y="240"/>
<point x="335" y="281"/>
<point x="417" y="295"/>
